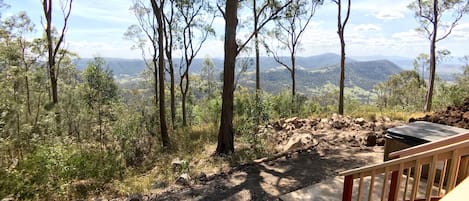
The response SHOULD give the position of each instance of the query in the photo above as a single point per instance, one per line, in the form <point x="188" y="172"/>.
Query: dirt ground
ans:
<point x="269" y="180"/>
<point x="338" y="145"/>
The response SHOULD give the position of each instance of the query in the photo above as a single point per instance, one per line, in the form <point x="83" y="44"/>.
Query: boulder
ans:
<point x="298" y="140"/>
<point x="183" y="179"/>
<point x="202" y="176"/>
<point x="176" y="164"/>
<point x="360" y="121"/>
<point x="371" y="139"/>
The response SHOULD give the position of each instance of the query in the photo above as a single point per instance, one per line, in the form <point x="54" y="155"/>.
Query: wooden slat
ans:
<point x="453" y="172"/>
<point x="442" y="177"/>
<point x="385" y="184"/>
<point x="431" y="178"/>
<point x="398" y="182"/>
<point x="415" y="187"/>
<point x="360" y="187"/>
<point x="406" y="183"/>
<point x="372" y="186"/>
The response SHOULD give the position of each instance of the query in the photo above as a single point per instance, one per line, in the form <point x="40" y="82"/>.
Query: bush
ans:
<point x="48" y="171"/>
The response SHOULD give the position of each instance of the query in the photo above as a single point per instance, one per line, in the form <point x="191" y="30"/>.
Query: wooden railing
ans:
<point x="441" y="166"/>
<point x="429" y="146"/>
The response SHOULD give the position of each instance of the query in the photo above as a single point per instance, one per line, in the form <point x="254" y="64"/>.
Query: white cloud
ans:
<point x="118" y="49"/>
<point x="367" y="27"/>
<point x="461" y="32"/>
<point x="410" y="36"/>
<point x="389" y="15"/>
<point x="116" y="12"/>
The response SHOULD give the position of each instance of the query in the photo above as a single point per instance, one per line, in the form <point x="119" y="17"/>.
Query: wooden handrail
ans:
<point x="448" y="156"/>
<point x="394" y="164"/>
<point x="430" y="145"/>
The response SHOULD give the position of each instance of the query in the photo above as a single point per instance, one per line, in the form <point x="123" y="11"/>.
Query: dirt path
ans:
<point x="269" y="180"/>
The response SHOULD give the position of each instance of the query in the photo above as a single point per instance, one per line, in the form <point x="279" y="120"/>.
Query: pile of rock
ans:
<point x="293" y="133"/>
<point x="455" y="115"/>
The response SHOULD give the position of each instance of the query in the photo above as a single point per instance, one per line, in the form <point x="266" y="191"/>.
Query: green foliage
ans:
<point x="405" y="90"/>
<point x="250" y="111"/>
<point x="48" y="171"/>
<point x="99" y="83"/>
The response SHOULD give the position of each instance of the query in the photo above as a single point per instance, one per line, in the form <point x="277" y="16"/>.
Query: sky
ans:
<point x="376" y="27"/>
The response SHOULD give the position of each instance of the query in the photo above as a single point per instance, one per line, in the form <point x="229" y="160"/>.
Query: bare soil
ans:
<point x="339" y="145"/>
<point x="454" y="115"/>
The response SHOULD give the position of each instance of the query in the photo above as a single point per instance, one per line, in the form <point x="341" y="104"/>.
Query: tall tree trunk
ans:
<point x="169" y="54"/>
<point x="52" y="48"/>
<point x="173" y="98"/>
<point x="184" y="112"/>
<point x="184" y="90"/>
<point x="340" y="31"/>
<point x="28" y="95"/>
<point x="158" y="11"/>
<point x="256" y="43"/>
<point x="293" y="82"/>
<point x="225" y="134"/>
<point x="431" y="81"/>
<point x="342" y="73"/>
<point x="155" y="75"/>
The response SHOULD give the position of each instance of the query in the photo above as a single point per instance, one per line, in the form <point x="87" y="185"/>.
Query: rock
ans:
<point x="202" y="176"/>
<point x="298" y="140"/>
<point x="371" y="139"/>
<point x="465" y="115"/>
<point x="380" y="142"/>
<point x="176" y="164"/>
<point x="360" y="121"/>
<point x="339" y="124"/>
<point x="135" y="197"/>
<point x="183" y="179"/>
<point x="292" y="120"/>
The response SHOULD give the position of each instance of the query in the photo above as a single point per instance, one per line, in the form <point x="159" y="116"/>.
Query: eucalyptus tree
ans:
<point x="231" y="50"/>
<point x="262" y="13"/>
<point x="157" y="6"/>
<point x="196" y="26"/>
<point x="55" y="43"/>
<point x="435" y="16"/>
<point x="145" y="31"/>
<point x="290" y="26"/>
<point x="341" y="23"/>
<point x="170" y="32"/>
<point x="100" y="92"/>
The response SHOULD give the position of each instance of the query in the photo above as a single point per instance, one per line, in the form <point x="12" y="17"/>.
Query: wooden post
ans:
<point x="348" y="187"/>
<point x="393" y="187"/>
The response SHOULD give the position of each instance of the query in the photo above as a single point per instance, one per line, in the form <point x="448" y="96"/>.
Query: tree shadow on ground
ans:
<point x="269" y="180"/>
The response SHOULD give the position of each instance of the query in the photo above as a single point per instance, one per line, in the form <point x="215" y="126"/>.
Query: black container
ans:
<point x="416" y="133"/>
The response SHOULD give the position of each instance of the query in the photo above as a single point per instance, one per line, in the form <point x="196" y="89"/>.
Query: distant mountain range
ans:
<point x="312" y="72"/>
<point x="360" y="74"/>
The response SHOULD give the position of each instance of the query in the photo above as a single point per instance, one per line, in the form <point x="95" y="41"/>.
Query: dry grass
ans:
<point x="195" y="145"/>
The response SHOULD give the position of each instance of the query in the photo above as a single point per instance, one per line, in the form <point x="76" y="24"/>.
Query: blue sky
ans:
<point x="384" y="27"/>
